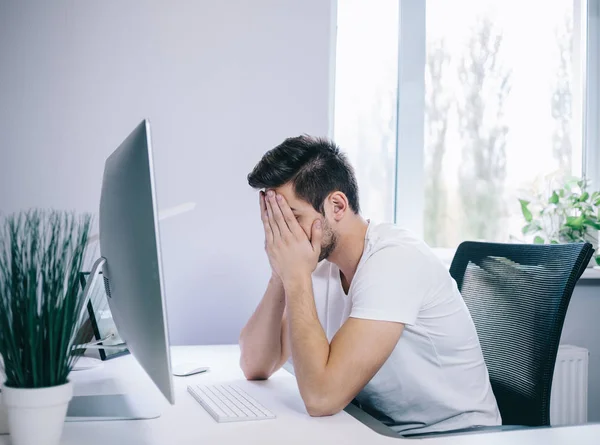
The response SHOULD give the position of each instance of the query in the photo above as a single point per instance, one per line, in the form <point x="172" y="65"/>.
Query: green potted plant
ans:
<point x="569" y="213"/>
<point x="41" y="310"/>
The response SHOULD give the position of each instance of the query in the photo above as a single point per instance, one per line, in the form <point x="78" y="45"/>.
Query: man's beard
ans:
<point x="327" y="247"/>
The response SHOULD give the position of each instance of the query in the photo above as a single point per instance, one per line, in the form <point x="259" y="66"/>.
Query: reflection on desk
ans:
<point x="188" y="423"/>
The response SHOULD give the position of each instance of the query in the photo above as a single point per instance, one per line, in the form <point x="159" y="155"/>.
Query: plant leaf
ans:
<point x="592" y="223"/>
<point x="575" y="222"/>
<point x="532" y="227"/>
<point x="538" y="240"/>
<point x="584" y="197"/>
<point x="570" y="183"/>
<point x="554" y="198"/>
<point x="526" y="212"/>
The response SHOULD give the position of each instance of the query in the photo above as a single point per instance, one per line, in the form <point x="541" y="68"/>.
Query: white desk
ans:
<point x="187" y="423"/>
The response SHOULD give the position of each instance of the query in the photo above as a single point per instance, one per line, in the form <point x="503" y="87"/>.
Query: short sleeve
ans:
<point x="391" y="285"/>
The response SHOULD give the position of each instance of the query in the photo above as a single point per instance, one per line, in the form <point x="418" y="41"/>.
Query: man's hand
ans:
<point x="291" y="254"/>
<point x="263" y="215"/>
<point x="264" y="341"/>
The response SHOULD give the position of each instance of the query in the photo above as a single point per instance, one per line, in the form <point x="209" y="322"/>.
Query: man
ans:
<point x="365" y="310"/>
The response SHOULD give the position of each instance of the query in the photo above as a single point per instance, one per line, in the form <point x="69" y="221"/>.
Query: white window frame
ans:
<point x="333" y="23"/>
<point x="591" y="109"/>
<point x="409" y="200"/>
<point x="410" y="171"/>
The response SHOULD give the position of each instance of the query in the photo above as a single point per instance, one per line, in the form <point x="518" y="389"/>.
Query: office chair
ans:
<point x="518" y="297"/>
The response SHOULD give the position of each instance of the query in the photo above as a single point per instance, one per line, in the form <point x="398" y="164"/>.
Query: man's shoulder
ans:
<point x="393" y="249"/>
<point x="398" y="259"/>
<point x="397" y="241"/>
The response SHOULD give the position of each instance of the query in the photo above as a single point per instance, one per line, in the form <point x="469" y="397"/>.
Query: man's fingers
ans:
<point x="289" y="217"/>
<point x="277" y="215"/>
<point x="268" y="230"/>
<point x="264" y="216"/>
<point x="271" y="218"/>
<point x="261" y="203"/>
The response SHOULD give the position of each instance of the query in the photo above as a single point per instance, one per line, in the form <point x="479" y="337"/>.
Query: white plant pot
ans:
<point x="3" y="415"/>
<point x="36" y="415"/>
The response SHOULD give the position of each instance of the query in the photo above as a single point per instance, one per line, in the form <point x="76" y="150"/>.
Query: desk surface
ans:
<point x="186" y="422"/>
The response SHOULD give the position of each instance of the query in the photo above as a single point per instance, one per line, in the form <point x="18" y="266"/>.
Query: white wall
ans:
<point x="581" y="328"/>
<point x="221" y="82"/>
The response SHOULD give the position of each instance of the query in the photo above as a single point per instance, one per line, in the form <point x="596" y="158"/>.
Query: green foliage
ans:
<point x="526" y="213"/>
<point x="41" y="303"/>
<point x="569" y="215"/>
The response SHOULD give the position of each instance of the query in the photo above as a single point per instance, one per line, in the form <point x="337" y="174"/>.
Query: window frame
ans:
<point x="410" y="114"/>
<point x="591" y="107"/>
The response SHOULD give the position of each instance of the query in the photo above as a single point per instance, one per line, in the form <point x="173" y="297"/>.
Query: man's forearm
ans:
<point x="260" y="340"/>
<point x="309" y="344"/>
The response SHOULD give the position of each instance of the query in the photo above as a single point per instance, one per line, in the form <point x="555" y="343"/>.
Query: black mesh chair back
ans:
<point x="518" y="297"/>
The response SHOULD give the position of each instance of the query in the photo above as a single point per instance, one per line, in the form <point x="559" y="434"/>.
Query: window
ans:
<point x="366" y="84"/>
<point x="499" y="115"/>
<point x="503" y="97"/>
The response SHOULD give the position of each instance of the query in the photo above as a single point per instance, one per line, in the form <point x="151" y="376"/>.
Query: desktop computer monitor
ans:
<point x="130" y="244"/>
<point x="132" y="273"/>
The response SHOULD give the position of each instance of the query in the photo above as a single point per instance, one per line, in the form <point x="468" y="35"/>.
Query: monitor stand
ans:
<point x="103" y="407"/>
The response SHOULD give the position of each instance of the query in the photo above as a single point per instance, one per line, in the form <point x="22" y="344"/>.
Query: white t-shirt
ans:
<point x="436" y="378"/>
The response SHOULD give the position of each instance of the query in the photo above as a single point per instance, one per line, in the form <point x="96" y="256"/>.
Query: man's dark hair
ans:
<point x="315" y="166"/>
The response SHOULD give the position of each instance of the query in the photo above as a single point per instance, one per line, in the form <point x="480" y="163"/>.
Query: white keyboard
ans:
<point x="229" y="403"/>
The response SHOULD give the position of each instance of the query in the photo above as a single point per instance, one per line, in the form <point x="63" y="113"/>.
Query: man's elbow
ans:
<point x="254" y="372"/>
<point x="321" y="410"/>
<point x="320" y="406"/>
<point x="252" y="369"/>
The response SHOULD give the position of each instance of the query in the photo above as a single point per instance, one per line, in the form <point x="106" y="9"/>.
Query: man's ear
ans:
<point x="339" y="205"/>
